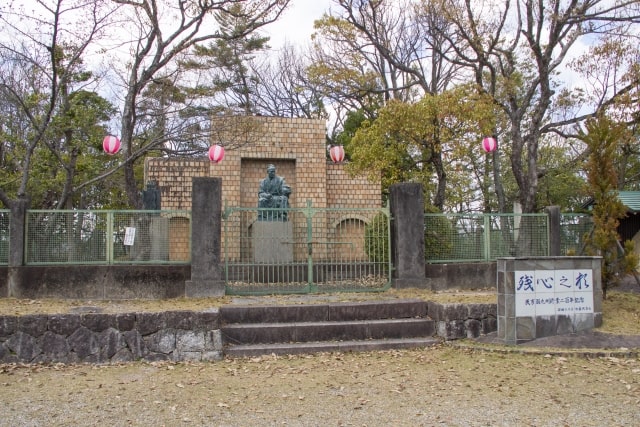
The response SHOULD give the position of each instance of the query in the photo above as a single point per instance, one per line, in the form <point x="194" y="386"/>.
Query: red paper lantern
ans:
<point x="216" y="153"/>
<point x="111" y="144"/>
<point x="337" y="153"/>
<point x="489" y="144"/>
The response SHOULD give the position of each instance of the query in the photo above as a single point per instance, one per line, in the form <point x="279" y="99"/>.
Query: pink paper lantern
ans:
<point x="336" y="153"/>
<point x="489" y="144"/>
<point x="111" y="144"/>
<point x="216" y="153"/>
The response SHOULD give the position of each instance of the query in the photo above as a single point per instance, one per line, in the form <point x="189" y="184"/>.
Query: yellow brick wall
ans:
<point x="297" y="148"/>
<point x="343" y="191"/>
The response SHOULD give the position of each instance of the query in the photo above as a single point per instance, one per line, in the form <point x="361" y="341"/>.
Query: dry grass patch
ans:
<point x="621" y="310"/>
<point x="19" y="307"/>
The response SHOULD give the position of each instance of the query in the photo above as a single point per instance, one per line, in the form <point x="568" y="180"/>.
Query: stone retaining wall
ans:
<point x="457" y="321"/>
<point x="110" y="338"/>
<point x="92" y="337"/>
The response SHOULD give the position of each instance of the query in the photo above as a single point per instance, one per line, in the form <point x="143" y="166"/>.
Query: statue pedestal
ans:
<point x="152" y="239"/>
<point x="272" y="241"/>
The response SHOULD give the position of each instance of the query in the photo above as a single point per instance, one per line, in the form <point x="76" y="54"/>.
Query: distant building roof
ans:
<point x="631" y="199"/>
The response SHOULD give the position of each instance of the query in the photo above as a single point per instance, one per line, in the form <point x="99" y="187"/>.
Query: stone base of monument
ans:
<point x="272" y="241"/>
<point x="202" y="288"/>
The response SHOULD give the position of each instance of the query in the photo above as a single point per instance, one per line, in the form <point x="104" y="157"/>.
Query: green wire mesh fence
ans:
<point x="484" y="237"/>
<point x="107" y="237"/>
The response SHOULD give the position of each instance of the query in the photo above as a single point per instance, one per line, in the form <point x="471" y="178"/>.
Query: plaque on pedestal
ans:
<point x="272" y="242"/>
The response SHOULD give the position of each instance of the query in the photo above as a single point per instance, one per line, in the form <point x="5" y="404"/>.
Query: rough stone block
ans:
<point x="33" y="324"/>
<point x="98" y="322"/>
<point x="54" y="347"/>
<point x="583" y="322"/>
<point x="564" y="325"/>
<point x="509" y="287"/>
<point x="452" y="330"/>
<point x="452" y="312"/>
<point x="597" y="320"/>
<point x="473" y="328"/>
<point x="190" y="341"/>
<point x="25" y="347"/>
<point x="510" y="330"/>
<point x="489" y="324"/>
<point x="64" y="324"/>
<point x="163" y="341"/>
<point x="149" y="323"/>
<point x="480" y="311"/>
<point x="84" y="343"/>
<point x="213" y="340"/>
<point x="502" y="325"/>
<point x="179" y="319"/>
<point x="125" y="321"/>
<point x="546" y="326"/>
<point x="110" y="341"/>
<point x="207" y="320"/>
<point x="123" y="355"/>
<point x="8" y="326"/>
<point x="136" y="344"/>
<point x="525" y="328"/>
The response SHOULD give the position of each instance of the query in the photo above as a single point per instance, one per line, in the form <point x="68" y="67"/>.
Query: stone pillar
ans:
<point x="407" y="235"/>
<point x="16" y="246"/>
<point x="554" y="230"/>
<point x="206" y="232"/>
<point x="16" y="232"/>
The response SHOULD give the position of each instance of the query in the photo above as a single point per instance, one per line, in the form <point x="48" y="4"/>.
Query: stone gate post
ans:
<point x="206" y="237"/>
<point x="407" y="234"/>
<point x="16" y="246"/>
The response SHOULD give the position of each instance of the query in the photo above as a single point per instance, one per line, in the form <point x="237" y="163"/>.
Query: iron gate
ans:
<point x="303" y="250"/>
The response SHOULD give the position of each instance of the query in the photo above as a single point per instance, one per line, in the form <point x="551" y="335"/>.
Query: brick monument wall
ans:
<point x="296" y="146"/>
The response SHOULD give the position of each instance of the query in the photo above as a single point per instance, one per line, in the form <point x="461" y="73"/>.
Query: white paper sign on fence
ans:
<point x="129" y="236"/>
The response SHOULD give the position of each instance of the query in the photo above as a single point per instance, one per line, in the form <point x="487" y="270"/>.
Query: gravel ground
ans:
<point x="439" y="386"/>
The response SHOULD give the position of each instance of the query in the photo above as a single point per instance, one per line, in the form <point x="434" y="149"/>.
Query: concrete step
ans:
<point x="329" y="346"/>
<point x="253" y="333"/>
<point x="338" y="311"/>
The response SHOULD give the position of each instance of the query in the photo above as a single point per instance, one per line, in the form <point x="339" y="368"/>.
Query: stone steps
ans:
<point x="353" y="326"/>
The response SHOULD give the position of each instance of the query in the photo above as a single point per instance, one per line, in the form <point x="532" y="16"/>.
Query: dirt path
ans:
<point x="436" y="386"/>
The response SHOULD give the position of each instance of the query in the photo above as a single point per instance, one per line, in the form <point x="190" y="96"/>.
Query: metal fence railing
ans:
<point x="313" y="249"/>
<point x="107" y="237"/>
<point x="484" y="237"/>
<point x="343" y="248"/>
<point x="574" y="230"/>
<point x="487" y="237"/>
<point x="4" y="236"/>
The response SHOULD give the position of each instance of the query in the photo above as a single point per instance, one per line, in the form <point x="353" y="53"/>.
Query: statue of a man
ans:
<point x="273" y="193"/>
<point x="151" y="196"/>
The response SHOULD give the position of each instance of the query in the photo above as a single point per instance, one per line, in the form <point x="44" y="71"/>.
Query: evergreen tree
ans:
<point x="602" y="137"/>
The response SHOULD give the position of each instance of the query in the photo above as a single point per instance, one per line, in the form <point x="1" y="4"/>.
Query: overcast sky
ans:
<point x="296" y="24"/>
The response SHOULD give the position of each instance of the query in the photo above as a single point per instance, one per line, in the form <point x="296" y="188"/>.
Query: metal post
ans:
<point x="487" y="236"/>
<point x="309" y="216"/>
<point x="109" y="236"/>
